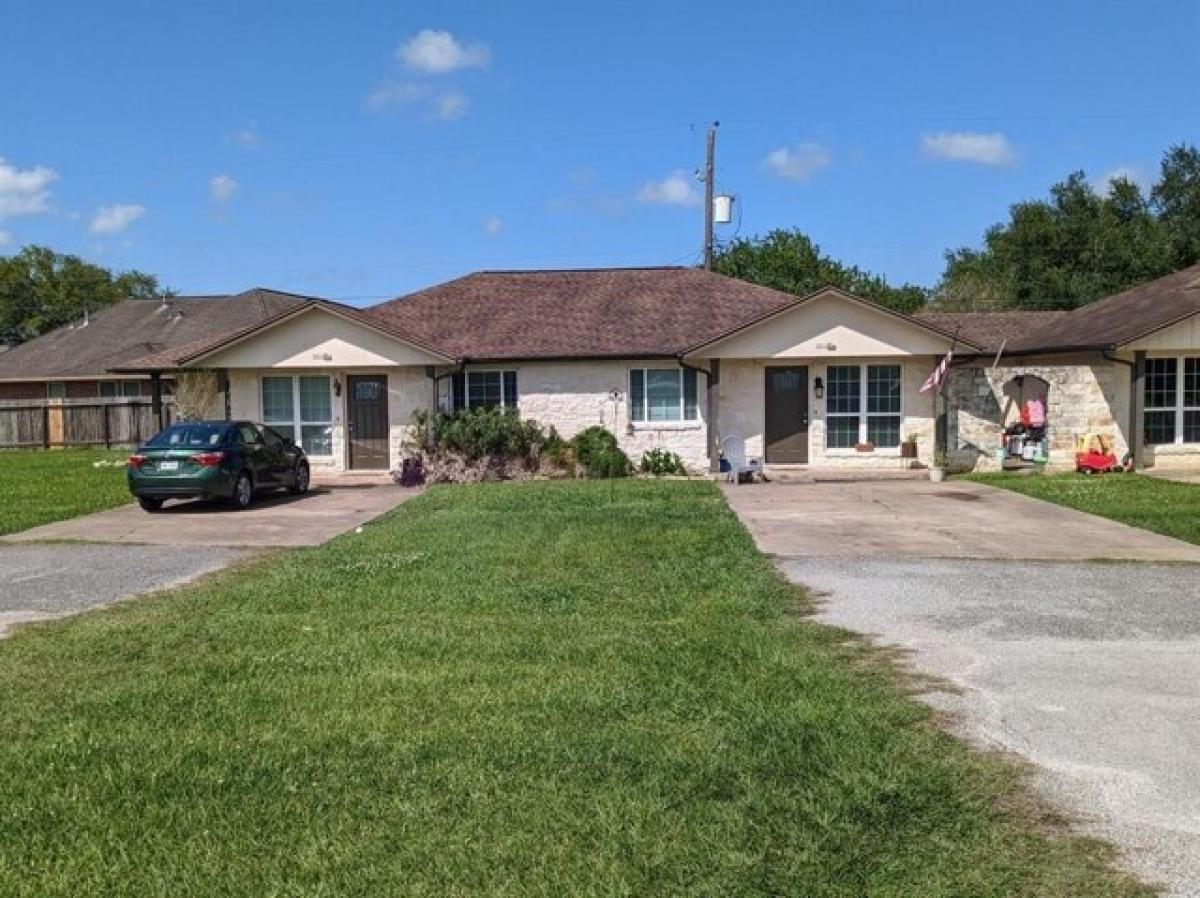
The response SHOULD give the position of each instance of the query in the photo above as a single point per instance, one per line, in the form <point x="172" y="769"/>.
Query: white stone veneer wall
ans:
<point x="1083" y="398"/>
<point x="741" y="410"/>
<point x="572" y="396"/>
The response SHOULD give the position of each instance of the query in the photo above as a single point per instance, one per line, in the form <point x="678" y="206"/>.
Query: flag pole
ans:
<point x="944" y="390"/>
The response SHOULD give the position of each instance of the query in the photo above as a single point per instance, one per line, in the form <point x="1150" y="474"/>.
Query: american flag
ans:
<point x="939" y="374"/>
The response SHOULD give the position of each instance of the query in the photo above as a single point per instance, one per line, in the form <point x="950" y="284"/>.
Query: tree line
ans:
<point x="1073" y="247"/>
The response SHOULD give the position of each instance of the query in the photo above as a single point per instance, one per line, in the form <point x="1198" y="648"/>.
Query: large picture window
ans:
<point x="663" y="394"/>
<point x="300" y="408"/>
<point x="484" y="389"/>
<point x="863" y="404"/>
<point x="1172" y="400"/>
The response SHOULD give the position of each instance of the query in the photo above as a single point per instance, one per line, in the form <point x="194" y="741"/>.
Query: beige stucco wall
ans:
<point x="741" y="411"/>
<point x="1088" y="394"/>
<point x="408" y="390"/>
<point x="827" y="327"/>
<point x="317" y="339"/>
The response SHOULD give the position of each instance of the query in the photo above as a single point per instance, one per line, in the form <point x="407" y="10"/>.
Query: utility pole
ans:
<point x="710" y="154"/>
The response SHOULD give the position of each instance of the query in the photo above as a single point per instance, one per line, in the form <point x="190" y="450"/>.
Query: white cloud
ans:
<point x="24" y="191"/>
<point x="493" y="225"/>
<point x="1103" y="184"/>
<point x="451" y="106"/>
<point x="437" y="52"/>
<point x="5" y="238"/>
<point x="222" y="188"/>
<point x="396" y="94"/>
<point x="969" y="146"/>
<point x="798" y="163"/>
<point x="676" y="189"/>
<point x="247" y="138"/>
<point x="116" y="218"/>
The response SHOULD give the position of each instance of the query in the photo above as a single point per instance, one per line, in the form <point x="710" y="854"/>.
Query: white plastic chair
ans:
<point x="734" y="451"/>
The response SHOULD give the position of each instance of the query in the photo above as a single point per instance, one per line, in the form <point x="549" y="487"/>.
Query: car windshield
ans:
<point x="189" y="436"/>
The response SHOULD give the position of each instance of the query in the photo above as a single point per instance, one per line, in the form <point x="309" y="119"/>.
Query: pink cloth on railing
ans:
<point x="1036" y="411"/>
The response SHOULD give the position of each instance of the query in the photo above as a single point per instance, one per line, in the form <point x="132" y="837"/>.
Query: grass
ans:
<point x="38" y="486"/>
<point x="1164" y="506"/>
<point x="522" y="690"/>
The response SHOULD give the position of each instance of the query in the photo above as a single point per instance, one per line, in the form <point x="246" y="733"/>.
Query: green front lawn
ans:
<point x="1163" y="506"/>
<point x="38" y="486"/>
<point x="553" y="689"/>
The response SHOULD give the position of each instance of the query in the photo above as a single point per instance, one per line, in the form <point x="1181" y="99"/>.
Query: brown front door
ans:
<point x="368" y="416"/>
<point x="787" y="415"/>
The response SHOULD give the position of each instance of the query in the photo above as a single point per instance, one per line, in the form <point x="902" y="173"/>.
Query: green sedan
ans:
<point x="229" y="460"/>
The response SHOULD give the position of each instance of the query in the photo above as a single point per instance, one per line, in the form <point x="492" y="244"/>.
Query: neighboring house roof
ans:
<point x="185" y="353"/>
<point x="586" y="313"/>
<point x="989" y="330"/>
<point x="119" y="334"/>
<point x="1123" y="318"/>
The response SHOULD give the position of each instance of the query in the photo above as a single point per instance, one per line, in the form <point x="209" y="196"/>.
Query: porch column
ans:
<point x="223" y="383"/>
<point x="156" y="402"/>
<point x="1137" y="409"/>
<point x="714" y="382"/>
<point x="431" y="373"/>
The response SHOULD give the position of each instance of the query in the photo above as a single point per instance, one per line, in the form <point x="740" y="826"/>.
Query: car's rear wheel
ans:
<point x="300" y="478"/>
<point x="243" y="491"/>
<point x="149" y="504"/>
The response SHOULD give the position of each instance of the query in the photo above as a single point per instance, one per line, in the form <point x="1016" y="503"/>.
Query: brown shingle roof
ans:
<point x="1121" y="318"/>
<point x="598" y="313"/>
<point x="187" y="352"/>
<point x="136" y="328"/>
<point x="990" y="329"/>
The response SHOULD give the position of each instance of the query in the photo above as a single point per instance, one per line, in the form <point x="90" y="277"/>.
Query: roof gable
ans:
<point x="829" y="322"/>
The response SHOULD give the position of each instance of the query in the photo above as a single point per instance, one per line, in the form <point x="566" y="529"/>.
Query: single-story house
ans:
<point x="693" y="362"/>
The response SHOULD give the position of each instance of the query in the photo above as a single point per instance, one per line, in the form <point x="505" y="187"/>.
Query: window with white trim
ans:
<point x="863" y="405"/>
<point x="663" y="394"/>
<point x="1172" y="400"/>
<point x="301" y="409"/>
<point x="483" y="389"/>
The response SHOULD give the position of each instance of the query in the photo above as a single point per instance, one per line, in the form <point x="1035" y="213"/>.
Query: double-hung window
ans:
<point x="126" y="389"/>
<point x="663" y="394"/>
<point x="300" y="408"/>
<point x="484" y="389"/>
<point x="1172" y="400"/>
<point x="863" y="405"/>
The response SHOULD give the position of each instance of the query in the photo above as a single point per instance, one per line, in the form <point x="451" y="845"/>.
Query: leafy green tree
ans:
<point x="1080" y="245"/>
<point x="1176" y="199"/>
<point x="789" y="261"/>
<point x="41" y="290"/>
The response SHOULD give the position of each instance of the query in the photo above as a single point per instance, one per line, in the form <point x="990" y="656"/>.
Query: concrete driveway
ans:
<point x="1088" y="670"/>
<point x="271" y="522"/>
<point x="915" y="518"/>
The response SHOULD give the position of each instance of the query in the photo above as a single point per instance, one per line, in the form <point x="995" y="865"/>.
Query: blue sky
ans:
<point x="360" y="151"/>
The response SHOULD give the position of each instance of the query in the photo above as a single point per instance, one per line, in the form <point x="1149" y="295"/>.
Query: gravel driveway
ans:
<point x="53" y="580"/>
<point x="1089" y="670"/>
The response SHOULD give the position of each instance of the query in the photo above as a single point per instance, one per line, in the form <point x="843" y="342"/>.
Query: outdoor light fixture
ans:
<point x="337" y="387"/>
<point x="818" y="388"/>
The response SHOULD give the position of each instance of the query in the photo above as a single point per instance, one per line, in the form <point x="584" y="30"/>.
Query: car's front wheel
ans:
<point x="300" y="479"/>
<point x="149" y="504"/>
<point x="243" y="491"/>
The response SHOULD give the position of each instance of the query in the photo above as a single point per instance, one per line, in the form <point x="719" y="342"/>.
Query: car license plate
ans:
<point x="168" y="466"/>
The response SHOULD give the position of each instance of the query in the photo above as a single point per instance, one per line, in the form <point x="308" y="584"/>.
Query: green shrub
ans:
<point x="662" y="463"/>
<point x="597" y="451"/>
<point x="475" y="434"/>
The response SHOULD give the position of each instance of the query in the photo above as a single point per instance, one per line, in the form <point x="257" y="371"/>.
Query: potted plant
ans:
<point x="908" y="449"/>
<point x="937" y="473"/>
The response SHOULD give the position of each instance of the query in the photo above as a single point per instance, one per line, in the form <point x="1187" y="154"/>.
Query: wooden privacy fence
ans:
<point x="80" y="424"/>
